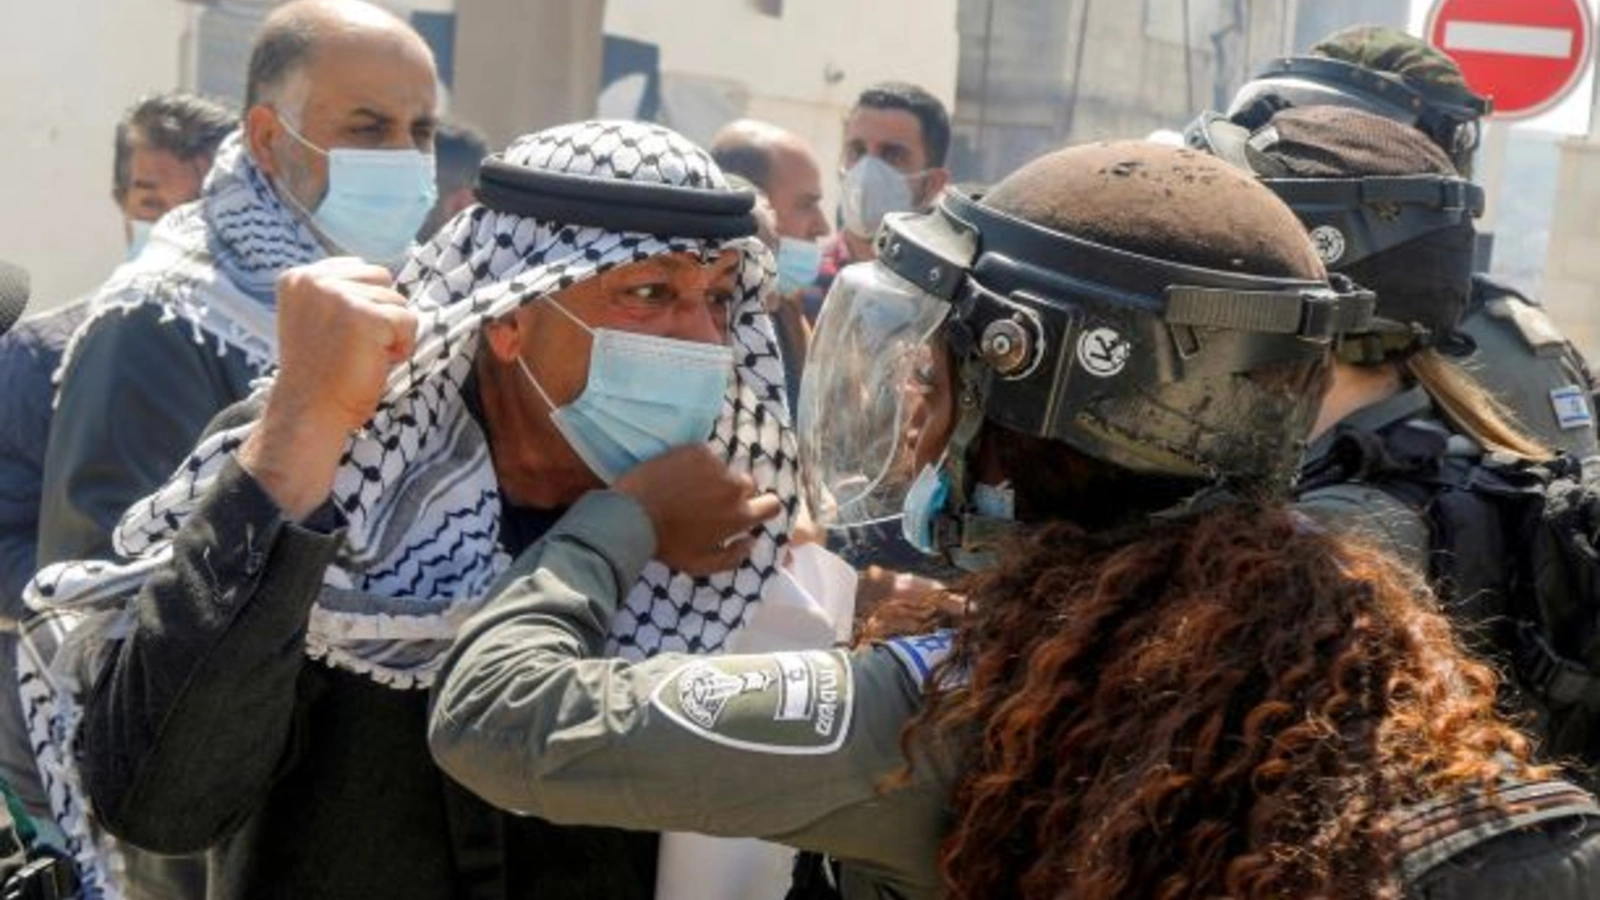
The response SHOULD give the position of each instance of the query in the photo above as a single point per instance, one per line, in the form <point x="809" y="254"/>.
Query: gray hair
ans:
<point x="281" y="51"/>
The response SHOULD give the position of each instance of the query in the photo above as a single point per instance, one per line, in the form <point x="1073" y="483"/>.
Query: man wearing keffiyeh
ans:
<point x="586" y="345"/>
<point x="341" y="103"/>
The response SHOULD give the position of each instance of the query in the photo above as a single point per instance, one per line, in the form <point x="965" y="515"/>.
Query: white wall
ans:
<point x="785" y="64"/>
<point x="68" y="69"/>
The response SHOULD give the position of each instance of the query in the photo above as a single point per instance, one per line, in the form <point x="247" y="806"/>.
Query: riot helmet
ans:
<point x="1381" y="204"/>
<point x="1138" y="360"/>
<point x="1378" y="70"/>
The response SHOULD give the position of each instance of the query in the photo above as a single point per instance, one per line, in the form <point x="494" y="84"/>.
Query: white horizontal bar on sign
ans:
<point x="1513" y="40"/>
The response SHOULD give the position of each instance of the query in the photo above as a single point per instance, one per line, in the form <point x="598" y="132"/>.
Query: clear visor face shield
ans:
<point x="865" y="395"/>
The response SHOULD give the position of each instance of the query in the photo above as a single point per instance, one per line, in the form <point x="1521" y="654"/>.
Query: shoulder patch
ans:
<point x="1534" y="326"/>
<point x="919" y="655"/>
<point x="1571" y="407"/>
<point x="782" y="703"/>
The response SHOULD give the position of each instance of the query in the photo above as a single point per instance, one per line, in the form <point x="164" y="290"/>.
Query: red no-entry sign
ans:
<point x="1526" y="54"/>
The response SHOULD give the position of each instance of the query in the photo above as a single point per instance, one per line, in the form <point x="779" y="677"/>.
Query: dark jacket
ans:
<point x="29" y="355"/>
<point x="211" y="729"/>
<point x="1364" y="508"/>
<point x="529" y="716"/>
<point x="135" y="397"/>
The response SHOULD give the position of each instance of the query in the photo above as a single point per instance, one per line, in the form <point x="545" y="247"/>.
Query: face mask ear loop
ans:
<point x="569" y="314"/>
<point x="957" y="457"/>
<point x="295" y="133"/>
<point x="528" y="374"/>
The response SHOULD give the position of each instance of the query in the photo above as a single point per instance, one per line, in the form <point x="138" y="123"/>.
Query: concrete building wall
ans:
<point x="546" y="71"/>
<point x="1318" y="20"/>
<point x="800" y="68"/>
<point x="68" y="69"/>
<point x="1572" y="268"/>
<point x="1039" y="74"/>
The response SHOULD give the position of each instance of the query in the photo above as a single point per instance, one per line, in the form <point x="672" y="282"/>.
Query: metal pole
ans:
<point x="1497" y="137"/>
<point x="1188" y="58"/>
<point x="1594" y="104"/>
<point x="983" y="85"/>
<point x="1077" y="71"/>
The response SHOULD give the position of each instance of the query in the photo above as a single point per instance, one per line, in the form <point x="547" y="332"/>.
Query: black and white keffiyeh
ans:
<point x="211" y="263"/>
<point x="416" y="485"/>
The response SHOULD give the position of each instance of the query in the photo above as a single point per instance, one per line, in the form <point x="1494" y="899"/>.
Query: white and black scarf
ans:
<point x="211" y="263"/>
<point x="416" y="486"/>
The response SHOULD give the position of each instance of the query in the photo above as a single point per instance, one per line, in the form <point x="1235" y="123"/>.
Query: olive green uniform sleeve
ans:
<point x="789" y="747"/>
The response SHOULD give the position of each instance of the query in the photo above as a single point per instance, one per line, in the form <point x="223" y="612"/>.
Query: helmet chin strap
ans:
<point x="970" y="541"/>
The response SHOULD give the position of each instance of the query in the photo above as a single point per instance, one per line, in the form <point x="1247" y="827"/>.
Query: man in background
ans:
<point x="784" y="169"/>
<point x="164" y="145"/>
<point x="896" y="138"/>
<point x="458" y="148"/>
<point x="783" y="166"/>
<point x="334" y="158"/>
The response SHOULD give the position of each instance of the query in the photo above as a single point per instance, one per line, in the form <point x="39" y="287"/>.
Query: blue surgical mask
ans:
<point x="139" y="235"/>
<point x="924" y="501"/>
<point x="376" y="199"/>
<point x="872" y="189"/>
<point x="645" y="395"/>
<point x="798" y="264"/>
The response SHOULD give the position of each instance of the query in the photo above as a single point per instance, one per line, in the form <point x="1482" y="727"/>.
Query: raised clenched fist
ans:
<point x="341" y="329"/>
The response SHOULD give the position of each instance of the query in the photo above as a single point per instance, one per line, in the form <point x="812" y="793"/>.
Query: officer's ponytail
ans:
<point x="1470" y="408"/>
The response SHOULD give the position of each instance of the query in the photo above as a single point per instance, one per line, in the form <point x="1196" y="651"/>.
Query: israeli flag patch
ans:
<point x="919" y="655"/>
<point x="1571" y="406"/>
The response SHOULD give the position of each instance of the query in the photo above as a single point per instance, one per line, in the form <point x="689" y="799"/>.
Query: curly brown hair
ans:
<point x="1231" y="704"/>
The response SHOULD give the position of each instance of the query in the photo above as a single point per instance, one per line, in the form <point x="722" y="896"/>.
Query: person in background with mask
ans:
<point x="895" y="141"/>
<point x="458" y="148"/>
<point x="334" y="158"/>
<point x="592" y="331"/>
<point x="1520" y="356"/>
<point x="164" y="146"/>
<point x="780" y="165"/>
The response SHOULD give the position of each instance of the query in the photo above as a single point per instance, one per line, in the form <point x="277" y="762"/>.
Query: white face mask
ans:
<point x="872" y="188"/>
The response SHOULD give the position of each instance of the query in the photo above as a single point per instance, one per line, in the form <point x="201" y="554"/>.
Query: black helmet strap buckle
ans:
<point x="1317" y="314"/>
